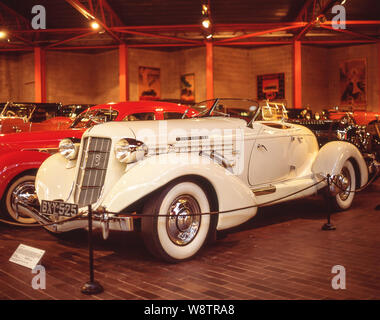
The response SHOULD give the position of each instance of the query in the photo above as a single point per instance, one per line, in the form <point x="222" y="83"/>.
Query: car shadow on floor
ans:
<point x="129" y="246"/>
<point x="126" y="246"/>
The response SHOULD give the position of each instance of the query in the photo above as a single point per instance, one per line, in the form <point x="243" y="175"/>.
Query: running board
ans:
<point x="262" y="191"/>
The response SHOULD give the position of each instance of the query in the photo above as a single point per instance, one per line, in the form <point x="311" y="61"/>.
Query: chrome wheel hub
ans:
<point x="182" y="227"/>
<point x="344" y="182"/>
<point x="24" y="193"/>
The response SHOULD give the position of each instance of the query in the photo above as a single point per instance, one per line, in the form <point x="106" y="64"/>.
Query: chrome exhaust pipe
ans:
<point x="35" y="214"/>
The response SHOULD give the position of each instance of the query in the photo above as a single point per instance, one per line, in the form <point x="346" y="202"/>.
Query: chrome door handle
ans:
<point x="261" y="146"/>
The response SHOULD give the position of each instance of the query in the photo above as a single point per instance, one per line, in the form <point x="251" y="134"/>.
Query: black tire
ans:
<point x="177" y="239"/>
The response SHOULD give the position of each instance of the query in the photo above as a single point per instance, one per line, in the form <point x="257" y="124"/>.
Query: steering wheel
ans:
<point x="10" y="113"/>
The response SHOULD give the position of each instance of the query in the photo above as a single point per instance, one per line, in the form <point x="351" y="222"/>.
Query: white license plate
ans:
<point x="58" y="208"/>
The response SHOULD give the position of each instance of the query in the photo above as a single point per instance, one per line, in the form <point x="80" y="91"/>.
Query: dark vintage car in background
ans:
<point x="21" y="154"/>
<point x="343" y="128"/>
<point x="361" y="117"/>
<point x="25" y="117"/>
<point x="72" y="110"/>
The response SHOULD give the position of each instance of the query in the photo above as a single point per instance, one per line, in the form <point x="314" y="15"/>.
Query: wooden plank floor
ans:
<point x="280" y="254"/>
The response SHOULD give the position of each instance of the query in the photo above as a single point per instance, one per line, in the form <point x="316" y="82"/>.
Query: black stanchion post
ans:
<point x="328" y="226"/>
<point x="92" y="286"/>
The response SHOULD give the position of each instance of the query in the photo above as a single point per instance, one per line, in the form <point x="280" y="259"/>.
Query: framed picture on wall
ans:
<point x="149" y="83"/>
<point x="353" y="82"/>
<point x="187" y="87"/>
<point x="271" y="86"/>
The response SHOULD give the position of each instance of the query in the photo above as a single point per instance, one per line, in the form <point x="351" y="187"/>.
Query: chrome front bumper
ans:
<point x="104" y="221"/>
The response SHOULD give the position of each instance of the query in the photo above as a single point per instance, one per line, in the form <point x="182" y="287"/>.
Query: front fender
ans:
<point x="54" y="179"/>
<point x="333" y="155"/>
<point x="14" y="163"/>
<point x="146" y="176"/>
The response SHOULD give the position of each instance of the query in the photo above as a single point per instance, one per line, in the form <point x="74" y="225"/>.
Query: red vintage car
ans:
<point x="26" y="117"/>
<point x="21" y="154"/>
<point x="360" y="117"/>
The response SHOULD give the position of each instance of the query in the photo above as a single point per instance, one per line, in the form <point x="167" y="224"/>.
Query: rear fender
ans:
<point x="333" y="155"/>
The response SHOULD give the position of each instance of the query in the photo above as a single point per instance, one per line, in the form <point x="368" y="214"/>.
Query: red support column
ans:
<point x="123" y="73"/>
<point x="297" y="75"/>
<point x="39" y="75"/>
<point x="209" y="71"/>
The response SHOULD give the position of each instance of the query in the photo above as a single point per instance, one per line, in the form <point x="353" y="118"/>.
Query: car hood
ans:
<point x="169" y="131"/>
<point x="38" y="139"/>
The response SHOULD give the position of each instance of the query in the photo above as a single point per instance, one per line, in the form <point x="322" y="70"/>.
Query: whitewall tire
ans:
<point x="22" y="188"/>
<point x="343" y="200"/>
<point x="181" y="236"/>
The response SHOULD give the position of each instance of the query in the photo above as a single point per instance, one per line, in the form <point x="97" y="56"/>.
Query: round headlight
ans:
<point x="68" y="149"/>
<point x="130" y="150"/>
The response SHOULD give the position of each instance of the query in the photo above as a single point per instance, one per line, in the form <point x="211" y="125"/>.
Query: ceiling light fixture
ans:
<point x="206" y="21"/>
<point x="3" y="34"/>
<point x="94" y="25"/>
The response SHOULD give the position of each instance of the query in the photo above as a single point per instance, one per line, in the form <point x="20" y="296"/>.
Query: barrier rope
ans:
<point x="167" y="215"/>
<point x="193" y="214"/>
<point x="375" y="176"/>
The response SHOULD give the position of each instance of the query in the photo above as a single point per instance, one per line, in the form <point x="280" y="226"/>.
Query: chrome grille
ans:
<point x="92" y="170"/>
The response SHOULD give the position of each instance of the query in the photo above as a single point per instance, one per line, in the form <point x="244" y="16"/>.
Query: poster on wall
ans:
<point x="149" y="83"/>
<point x="187" y="87"/>
<point x="271" y="86"/>
<point x="353" y="82"/>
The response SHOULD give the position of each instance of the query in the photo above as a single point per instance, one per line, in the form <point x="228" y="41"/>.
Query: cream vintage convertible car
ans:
<point x="173" y="170"/>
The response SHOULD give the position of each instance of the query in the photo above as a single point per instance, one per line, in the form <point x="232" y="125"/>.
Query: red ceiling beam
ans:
<point x="87" y="14"/>
<point x="18" y="17"/>
<point x="253" y="43"/>
<point x="112" y="12"/>
<point x="337" y="41"/>
<point x="218" y="27"/>
<point x="84" y="47"/>
<point x="352" y="33"/>
<point x="70" y="39"/>
<point x="15" y="49"/>
<point x="315" y="14"/>
<point x="303" y="13"/>
<point x="157" y="45"/>
<point x="21" y="22"/>
<point x="160" y="36"/>
<point x="259" y="33"/>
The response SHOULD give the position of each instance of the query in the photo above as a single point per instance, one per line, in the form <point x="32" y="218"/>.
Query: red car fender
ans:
<point x="14" y="163"/>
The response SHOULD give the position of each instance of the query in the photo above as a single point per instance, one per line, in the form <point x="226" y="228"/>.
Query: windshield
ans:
<point x="271" y="111"/>
<point x="248" y="110"/>
<point x="18" y="110"/>
<point x="92" y="117"/>
<point x="237" y="108"/>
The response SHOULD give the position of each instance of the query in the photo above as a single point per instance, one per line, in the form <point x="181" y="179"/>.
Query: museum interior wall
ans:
<point x="78" y="77"/>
